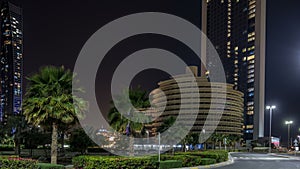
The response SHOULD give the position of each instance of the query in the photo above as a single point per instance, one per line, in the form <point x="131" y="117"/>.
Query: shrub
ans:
<point x="170" y="164"/>
<point x="208" y="161"/>
<point x="187" y="160"/>
<point x="91" y="162"/>
<point x="49" y="166"/>
<point x="96" y="150"/>
<point x="17" y="163"/>
<point x="219" y="156"/>
<point x="6" y="148"/>
<point x="80" y="141"/>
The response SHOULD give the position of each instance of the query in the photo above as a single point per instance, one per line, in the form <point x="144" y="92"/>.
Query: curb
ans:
<point x="285" y="156"/>
<point x="229" y="162"/>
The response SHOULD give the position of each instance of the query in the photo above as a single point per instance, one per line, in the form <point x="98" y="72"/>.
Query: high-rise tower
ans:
<point x="11" y="60"/>
<point x="237" y="29"/>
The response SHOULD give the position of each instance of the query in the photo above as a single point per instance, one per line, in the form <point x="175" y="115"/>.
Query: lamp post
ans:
<point x="288" y="123"/>
<point x="270" y="132"/>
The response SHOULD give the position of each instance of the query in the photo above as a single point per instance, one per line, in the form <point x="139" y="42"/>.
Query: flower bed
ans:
<point x="17" y="163"/>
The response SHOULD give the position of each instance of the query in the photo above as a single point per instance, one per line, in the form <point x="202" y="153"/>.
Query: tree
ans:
<point x="80" y="141"/>
<point x="15" y="128"/>
<point x="49" y="100"/>
<point x="35" y="137"/>
<point x="166" y="124"/>
<point x="118" y="122"/>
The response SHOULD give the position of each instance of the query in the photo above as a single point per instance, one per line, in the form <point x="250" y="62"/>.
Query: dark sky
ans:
<point x="56" y="30"/>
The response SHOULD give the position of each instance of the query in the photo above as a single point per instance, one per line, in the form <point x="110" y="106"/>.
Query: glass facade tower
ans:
<point x="237" y="30"/>
<point x="11" y="60"/>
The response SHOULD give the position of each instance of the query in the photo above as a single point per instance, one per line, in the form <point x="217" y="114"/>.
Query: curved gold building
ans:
<point x="167" y="100"/>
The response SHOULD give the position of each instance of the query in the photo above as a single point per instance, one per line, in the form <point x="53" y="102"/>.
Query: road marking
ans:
<point x="260" y="158"/>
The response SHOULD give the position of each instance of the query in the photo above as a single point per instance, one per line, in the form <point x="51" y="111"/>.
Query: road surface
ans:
<point x="262" y="161"/>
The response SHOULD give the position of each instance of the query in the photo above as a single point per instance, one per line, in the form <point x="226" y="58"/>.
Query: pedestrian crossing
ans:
<point x="261" y="158"/>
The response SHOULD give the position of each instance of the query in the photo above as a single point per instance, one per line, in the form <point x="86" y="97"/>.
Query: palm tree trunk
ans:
<point x="131" y="146"/>
<point x="17" y="142"/>
<point x="54" y="144"/>
<point x="62" y="138"/>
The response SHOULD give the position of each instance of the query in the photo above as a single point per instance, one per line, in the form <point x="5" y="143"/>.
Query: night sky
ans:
<point x="55" y="31"/>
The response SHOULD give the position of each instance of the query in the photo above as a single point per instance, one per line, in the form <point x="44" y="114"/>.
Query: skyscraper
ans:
<point x="237" y="30"/>
<point x="11" y="60"/>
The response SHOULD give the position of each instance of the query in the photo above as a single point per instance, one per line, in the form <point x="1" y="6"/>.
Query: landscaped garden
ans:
<point x="49" y="116"/>
<point x="180" y="159"/>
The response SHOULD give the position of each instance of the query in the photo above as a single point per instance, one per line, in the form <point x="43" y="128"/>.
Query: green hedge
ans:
<point x="49" y="166"/>
<point x="7" y="148"/>
<point x="187" y="160"/>
<point x="17" y="163"/>
<point x="219" y="156"/>
<point x="91" y="162"/>
<point x="208" y="161"/>
<point x="170" y="164"/>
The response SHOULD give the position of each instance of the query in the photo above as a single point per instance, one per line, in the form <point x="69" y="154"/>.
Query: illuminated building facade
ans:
<point x="11" y="60"/>
<point x="237" y="30"/>
<point x="231" y="122"/>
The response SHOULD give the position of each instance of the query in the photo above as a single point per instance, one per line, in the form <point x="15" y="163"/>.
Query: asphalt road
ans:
<point x="261" y="161"/>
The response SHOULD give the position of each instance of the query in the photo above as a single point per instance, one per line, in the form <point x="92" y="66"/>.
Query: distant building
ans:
<point x="231" y="122"/>
<point x="237" y="29"/>
<point x="11" y="60"/>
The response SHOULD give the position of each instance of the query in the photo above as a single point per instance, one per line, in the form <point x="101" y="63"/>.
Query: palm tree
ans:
<point x="166" y="124"/>
<point x="118" y="122"/>
<point x="49" y="100"/>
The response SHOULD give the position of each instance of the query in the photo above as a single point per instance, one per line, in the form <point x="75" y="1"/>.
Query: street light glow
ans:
<point x="270" y="131"/>
<point x="271" y="107"/>
<point x="288" y="122"/>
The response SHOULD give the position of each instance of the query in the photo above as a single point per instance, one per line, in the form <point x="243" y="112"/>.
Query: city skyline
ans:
<point x="57" y="29"/>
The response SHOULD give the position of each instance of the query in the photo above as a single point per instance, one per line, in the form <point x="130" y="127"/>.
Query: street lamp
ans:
<point x="288" y="123"/>
<point x="270" y="132"/>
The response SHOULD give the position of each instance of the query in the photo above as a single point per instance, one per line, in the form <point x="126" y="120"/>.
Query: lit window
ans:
<point x="252" y="2"/>
<point x="251" y="7"/>
<point x="251" y="67"/>
<point x="251" y="57"/>
<point x="251" y="16"/>
<point x="251" y="71"/>
<point x="250" y="80"/>
<point x="251" y="34"/>
<point x="250" y="126"/>
<point x="250" y="76"/>
<point x="251" y="39"/>
<point x="251" y="48"/>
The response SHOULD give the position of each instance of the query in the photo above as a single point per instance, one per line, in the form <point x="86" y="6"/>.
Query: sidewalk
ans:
<point x="229" y="162"/>
<point x="297" y="157"/>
